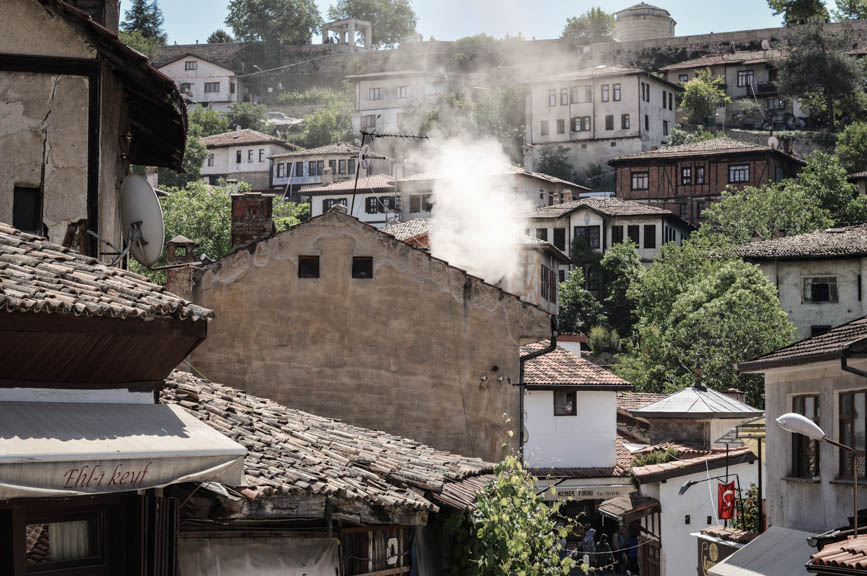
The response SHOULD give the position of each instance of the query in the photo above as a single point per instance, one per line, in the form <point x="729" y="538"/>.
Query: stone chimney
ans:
<point x="736" y="394"/>
<point x="179" y="274"/>
<point x="327" y="176"/>
<point x="251" y="218"/>
<point x="105" y="12"/>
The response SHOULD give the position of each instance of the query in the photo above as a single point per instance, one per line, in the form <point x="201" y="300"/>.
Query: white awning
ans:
<point x="67" y="449"/>
<point x="577" y="489"/>
<point x="776" y="552"/>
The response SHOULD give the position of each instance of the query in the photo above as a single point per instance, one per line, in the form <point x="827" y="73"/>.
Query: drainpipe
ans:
<point x="550" y="348"/>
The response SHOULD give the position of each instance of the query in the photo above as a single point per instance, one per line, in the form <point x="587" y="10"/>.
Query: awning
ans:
<point x="65" y="449"/>
<point x="630" y="507"/>
<point x="776" y="552"/>
<point x="577" y="489"/>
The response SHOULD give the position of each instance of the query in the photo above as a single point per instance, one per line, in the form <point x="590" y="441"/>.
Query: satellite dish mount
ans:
<point x="142" y="221"/>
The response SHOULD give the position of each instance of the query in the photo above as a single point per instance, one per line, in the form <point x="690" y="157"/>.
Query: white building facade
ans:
<point x="374" y="201"/>
<point x="203" y="83"/>
<point x="381" y="98"/>
<point x="299" y="168"/>
<point x="242" y="155"/>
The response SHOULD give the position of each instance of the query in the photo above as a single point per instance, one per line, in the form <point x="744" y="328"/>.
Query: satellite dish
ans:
<point x="364" y="156"/>
<point x="142" y="219"/>
<point x="766" y="45"/>
<point x="773" y="142"/>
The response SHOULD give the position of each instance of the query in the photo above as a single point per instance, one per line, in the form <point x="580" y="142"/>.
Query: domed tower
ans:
<point x="643" y="22"/>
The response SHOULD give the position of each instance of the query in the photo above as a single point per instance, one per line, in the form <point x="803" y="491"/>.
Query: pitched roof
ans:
<point x="710" y="460"/>
<point x="561" y="368"/>
<point x="165" y="61"/>
<point x="377" y="182"/>
<point x="505" y="170"/>
<point x="828" y="346"/>
<point x="743" y="58"/>
<point x="630" y="401"/>
<point x="596" y="72"/>
<point x="856" y="176"/>
<point x="42" y="277"/>
<point x="223" y="53"/>
<point x="847" y="241"/>
<point x="290" y="452"/>
<point x="242" y="138"/>
<point x="629" y="506"/>
<point x="607" y="206"/>
<point x="328" y="149"/>
<point x="850" y="554"/>
<point x="730" y="533"/>
<point x="712" y="147"/>
<point x="696" y="402"/>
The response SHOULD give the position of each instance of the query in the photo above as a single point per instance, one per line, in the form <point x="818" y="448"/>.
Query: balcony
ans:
<point x="759" y="89"/>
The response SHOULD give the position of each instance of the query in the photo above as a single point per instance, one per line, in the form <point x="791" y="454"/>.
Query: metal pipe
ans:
<point x="761" y="497"/>
<point x="854" y="475"/>
<point x="550" y="348"/>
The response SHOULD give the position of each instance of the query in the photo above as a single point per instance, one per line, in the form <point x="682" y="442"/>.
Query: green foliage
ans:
<point x="278" y="23"/>
<point x="593" y="26"/>
<point x="247" y="115"/>
<point x="852" y="147"/>
<point x="513" y="530"/>
<point x="554" y="161"/>
<point x="597" y="176"/>
<point x="220" y="37"/>
<point x="655" y="457"/>
<point x="329" y="125"/>
<point x="204" y="122"/>
<point x="621" y="268"/>
<point x="315" y="95"/>
<point x="851" y="10"/>
<point x="579" y="309"/>
<point x="796" y="12"/>
<point x="601" y="339"/>
<point x="702" y="96"/>
<point x="393" y="20"/>
<point x="699" y="134"/>
<point x="818" y="71"/>
<point x="747" y="516"/>
<point x="138" y="41"/>
<point x="195" y="154"/>
<point x="145" y="18"/>
<point x="288" y="214"/>
<point x="825" y="178"/>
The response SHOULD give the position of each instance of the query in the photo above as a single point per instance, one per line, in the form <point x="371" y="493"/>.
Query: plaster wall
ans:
<point x="305" y="176"/>
<point x="586" y="440"/>
<point x="390" y="107"/>
<point x="226" y="159"/>
<point x="402" y="352"/>
<point x="359" y="210"/>
<point x="788" y="277"/>
<point x="205" y="72"/>
<point x="810" y="504"/>
<point x="27" y="28"/>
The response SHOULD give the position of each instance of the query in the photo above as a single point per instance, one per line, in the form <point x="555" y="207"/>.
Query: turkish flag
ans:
<point x="726" y="501"/>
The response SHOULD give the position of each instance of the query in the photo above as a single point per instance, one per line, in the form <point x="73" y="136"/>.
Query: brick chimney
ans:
<point x="105" y="12"/>
<point x="251" y="218"/>
<point x="179" y="274"/>
<point x="736" y="394"/>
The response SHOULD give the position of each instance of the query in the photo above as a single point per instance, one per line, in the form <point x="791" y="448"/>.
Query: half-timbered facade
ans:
<point x="686" y="179"/>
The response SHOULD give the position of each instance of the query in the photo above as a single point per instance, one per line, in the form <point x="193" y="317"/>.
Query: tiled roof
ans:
<point x="563" y="368"/>
<point x="730" y="533"/>
<point x="328" y="149"/>
<point x="675" y="468"/>
<point x="596" y="72"/>
<point x="744" y="58"/>
<point x="607" y="206"/>
<point x="629" y="505"/>
<point x="693" y="402"/>
<point x="827" y="346"/>
<point x="381" y="182"/>
<point x="848" y="241"/>
<point x="242" y="138"/>
<point x="630" y="401"/>
<point x="39" y="276"/>
<point x="290" y="452"/>
<point x="710" y="147"/>
<point x="856" y="176"/>
<point x="223" y="53"/>
<point x="850" y="554"/>
<point x="621" y="469"/>
<point x="505" y="170"/>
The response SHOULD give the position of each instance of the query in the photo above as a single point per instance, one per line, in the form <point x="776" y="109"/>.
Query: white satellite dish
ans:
<point x="773" y="142"/>
<point x="364" y="156"/>
<point x="766" y="45"/>
<point x="142" y="220"/>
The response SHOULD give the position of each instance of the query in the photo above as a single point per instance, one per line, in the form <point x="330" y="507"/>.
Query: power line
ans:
<point x="284" y="67"/>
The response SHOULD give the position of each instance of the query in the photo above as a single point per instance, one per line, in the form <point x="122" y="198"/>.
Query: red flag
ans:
<point x="726" y="501"/>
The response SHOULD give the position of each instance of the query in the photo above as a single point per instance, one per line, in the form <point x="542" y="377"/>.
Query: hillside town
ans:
<point x="322" y="295"/>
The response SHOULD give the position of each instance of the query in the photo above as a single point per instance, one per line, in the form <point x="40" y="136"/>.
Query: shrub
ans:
<point x="601" y="339"/>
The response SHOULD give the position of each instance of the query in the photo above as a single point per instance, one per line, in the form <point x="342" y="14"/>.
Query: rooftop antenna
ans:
<point x="142" y="221"/>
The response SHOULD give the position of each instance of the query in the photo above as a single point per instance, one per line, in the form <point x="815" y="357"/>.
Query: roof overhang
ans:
<point x="856" y="349"/>
<point x="581" y="387"/>
<point x="645" y="158"/>
<point x="701" y="465"/>
<point x="695" y="416"/>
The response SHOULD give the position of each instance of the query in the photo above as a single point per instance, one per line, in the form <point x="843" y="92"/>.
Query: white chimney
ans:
<point x="237" y="132"/>
<point x="327" y="176"/>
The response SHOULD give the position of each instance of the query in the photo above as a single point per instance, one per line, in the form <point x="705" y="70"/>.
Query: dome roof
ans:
<point x="645" y="9"/>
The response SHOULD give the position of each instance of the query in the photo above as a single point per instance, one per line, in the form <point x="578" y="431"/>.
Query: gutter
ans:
<point x="521" y="386"/>
<point x="844" y="366"/>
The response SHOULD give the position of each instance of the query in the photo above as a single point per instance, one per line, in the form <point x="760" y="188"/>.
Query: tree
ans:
<point x="702" y="96"/>
<point x="220" y="37"/>
<point x="288" y="214"/>
<point x="797" y="12"/>
<point x="512" y="530"/>
<point x="204" y="122"/>
<point x="393" y="20"/>
<point x="598" y="176"/>
<point x="328" y="125"/>
<point x="247" y="115"/>
<point x="699" y="134"/>
<point x="579" y="309"/>
<point x="818" y="70"/>
<point x="554" y="161"/>
<point x="137" y="41"/>
<point x="593" y="26"/>
<point x="277" y="23"/>
<point x="852" y="147"/>
<point x="195" y="154"/>
<point x="824" y="178"/>
<point x="851" y="10"/>
<point x="621" y="267"/>
<point x="145" y="18"/>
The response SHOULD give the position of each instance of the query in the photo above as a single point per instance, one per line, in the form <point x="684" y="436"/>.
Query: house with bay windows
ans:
<point x="686" y="179"/>
<point x="242" y="155"/>
<point x="818" y="275"/>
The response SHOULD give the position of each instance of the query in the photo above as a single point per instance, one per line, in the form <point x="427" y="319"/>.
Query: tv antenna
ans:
<point x="142" y="220"/>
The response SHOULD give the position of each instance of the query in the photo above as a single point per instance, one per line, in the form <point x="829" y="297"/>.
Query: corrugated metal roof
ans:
<point x="776" y="552"/>
<point x="695" y="402"/>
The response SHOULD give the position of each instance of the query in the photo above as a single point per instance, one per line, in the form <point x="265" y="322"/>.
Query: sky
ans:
<point x="191" y="20"/>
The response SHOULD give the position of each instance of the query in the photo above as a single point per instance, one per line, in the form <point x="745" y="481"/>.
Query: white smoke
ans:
<point x="478" y="214"/>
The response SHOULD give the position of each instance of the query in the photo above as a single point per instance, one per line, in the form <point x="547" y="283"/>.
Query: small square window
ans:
<point x="191" y="65"/>
<point x="362" y="267"/>
<point x="308" y="266"/>
<point x="686" y="519"/>
<point x="564" y="403"/>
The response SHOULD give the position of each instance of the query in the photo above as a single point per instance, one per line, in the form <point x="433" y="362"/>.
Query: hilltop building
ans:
<point x="382" y="98"/>
<point x="643" y="22"/>
<point x="203" y="83"/>
<point x="243" y="156"/>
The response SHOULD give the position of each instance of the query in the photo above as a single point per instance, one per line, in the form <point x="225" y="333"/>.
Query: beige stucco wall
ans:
<point x="27" y="28"/>
<point x="205" y="72"/>
<point x="402" y="352"/>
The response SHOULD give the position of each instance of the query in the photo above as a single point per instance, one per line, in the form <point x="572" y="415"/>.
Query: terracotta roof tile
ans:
<point x="688" y="465"/>
<point x="850" y="553"/>
<point x="242" y="138"/>
<point x="39" y="276"/>
<point x="744" y="58"/>
<point x="328" y="149"/>
<point x="377" y="182"/>
<point x="847" y="241"/>
<point x="607" y="206"/>
<point x="730" y="533"/>
<point x="563" y="368"/>
<point x="294" y="452"/>
<point x="634" y="400"/>
<point x="710" y="147"/>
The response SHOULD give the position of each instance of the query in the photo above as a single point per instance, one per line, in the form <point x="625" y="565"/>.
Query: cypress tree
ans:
<point x="146" y="18"/>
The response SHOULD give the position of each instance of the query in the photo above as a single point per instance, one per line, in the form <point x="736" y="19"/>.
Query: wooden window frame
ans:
<point x="848" y="439"/>
<point x="561" y="409"/>
<point x="641" y="176"/>
<point x="699" y="175"/>
<point x="686" y="175"/>
<point x="309" y="262"/>
<point x="739" y="173"/>
<point x="616" y="92"/>
<point x="362" y="267"/>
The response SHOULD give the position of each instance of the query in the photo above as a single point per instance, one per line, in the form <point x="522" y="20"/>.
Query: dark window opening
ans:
<point x="739" y="173"/>
<point x="27" y="210"/>
<point x="650" y="236"/>
<point x="686" y="176"/>
<point x="616" y="234"/>
<point x="560" y="238"/>
<point x="819" y="329"/>
<point x="564" y="403"/>
<point x="700" y="206"/>
<point x="853" y="424"/>
<point x="562" y="275"/>
<point x="590" y="235"/>
<point x="542" y="234"/>
<point x="821" y="289"/>
<point x="634" y="234"/>
<point x="370" y="205"/>
<point x="609" y="122"/>
<point x="362" y="267"/>
<point x="308" y="266"/>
